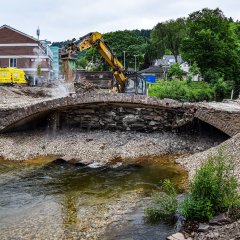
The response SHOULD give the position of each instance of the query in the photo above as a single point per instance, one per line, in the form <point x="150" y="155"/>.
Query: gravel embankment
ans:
<point x="229" y="147"/>
<point x="98" y="146"/>
<point x="226" y="232"/>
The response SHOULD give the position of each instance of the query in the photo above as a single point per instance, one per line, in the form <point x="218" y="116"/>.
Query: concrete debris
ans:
<point x="203" y="227"/>
<point x="178" y="236"/>
<point x="220" y="219"/>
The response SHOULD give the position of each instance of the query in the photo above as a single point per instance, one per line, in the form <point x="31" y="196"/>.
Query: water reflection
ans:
<point x="65" y="201"/>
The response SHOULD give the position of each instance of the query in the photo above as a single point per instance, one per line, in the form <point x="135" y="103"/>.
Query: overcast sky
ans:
<point x="65" y="19"/>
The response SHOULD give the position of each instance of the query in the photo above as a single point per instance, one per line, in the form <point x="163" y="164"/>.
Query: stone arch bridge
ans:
<point x="120" y="111"/>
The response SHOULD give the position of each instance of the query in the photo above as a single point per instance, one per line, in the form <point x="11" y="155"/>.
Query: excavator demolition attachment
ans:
<point x="125" y="82"/>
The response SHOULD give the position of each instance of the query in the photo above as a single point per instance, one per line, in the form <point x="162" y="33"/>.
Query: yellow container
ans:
<point x="12" y="76"/>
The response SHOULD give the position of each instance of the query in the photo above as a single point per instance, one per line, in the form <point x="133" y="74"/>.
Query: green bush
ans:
<point x="221" y="89"/>
<point x="165" y="204"/>
<point x="182" y="90"/>
<point x="189" y="90"/>
<point x="213" y="189"/>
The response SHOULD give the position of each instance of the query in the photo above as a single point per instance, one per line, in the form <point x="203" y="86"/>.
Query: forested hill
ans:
<point x="145" y="33"/>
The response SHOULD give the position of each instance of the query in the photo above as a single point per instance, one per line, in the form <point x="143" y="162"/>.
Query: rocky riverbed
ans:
<point x="99" y="147"/>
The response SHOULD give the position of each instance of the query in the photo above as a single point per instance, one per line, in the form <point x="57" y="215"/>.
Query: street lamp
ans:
<point x="38" y="52"/>
<point x="124" y="59"/>
<point x="135" y="62"/>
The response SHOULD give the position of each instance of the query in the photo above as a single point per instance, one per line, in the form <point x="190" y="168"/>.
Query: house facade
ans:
<point x="167" y="60"/>
<point x="22" y="51"/>
<point x="56" y="66"/>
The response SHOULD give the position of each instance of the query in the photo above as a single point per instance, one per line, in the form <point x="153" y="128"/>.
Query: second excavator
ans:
<point x="125" y="82"/>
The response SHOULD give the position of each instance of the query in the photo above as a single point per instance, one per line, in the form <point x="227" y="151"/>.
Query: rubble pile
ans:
<point x="83" y="86"/>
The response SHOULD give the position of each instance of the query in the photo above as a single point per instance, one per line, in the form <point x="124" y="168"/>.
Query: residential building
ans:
<point x="167" y="60"/>
<point x="20" y="50"/>
<point x="160" y="68"/>
<point x="157" y="71"/>
<point x="56" y="65"/>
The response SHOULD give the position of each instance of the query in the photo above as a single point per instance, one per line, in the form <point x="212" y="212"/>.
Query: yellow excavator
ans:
<point x="125" y="82"/>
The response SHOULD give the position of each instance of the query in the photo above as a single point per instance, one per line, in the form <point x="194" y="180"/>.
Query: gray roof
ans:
<point x="168" y="60"/>
<point x="152" y="69"/>
<point x="171" y="57"/>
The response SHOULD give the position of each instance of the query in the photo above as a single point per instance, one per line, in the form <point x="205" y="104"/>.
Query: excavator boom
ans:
<point x="95" y="39"/>
<point x="136" y="85"/>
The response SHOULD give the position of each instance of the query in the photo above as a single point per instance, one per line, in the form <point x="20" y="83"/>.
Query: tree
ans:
<point x="129" y="41"/>
<point x="169" y="35"/>
<point x="175" y="71"/>
<point x="212" y="44"/>
<point x="152" y="52"/>
<point x="39" y="69"/>
<point x="194" y="69"/>
<point x="82" y="63"/>
<point x="132" y="42"/>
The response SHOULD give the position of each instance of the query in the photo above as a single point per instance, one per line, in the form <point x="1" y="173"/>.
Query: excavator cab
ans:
<point x="136" y="84"/>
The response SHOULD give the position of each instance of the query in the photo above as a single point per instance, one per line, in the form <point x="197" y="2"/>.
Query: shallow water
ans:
<point x="40" y="199"/>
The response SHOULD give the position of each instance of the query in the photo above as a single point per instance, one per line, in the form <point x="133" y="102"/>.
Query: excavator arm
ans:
<point x="95" y="39"/>
<point x="126" y="82"/>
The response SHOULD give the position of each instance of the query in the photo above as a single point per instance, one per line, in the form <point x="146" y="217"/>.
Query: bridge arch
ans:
<point x="116" y="111"/>
<point x="119" y="111"/>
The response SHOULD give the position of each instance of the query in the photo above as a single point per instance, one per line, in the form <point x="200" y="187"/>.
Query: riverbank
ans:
<point x="230" y="147"/>
<point x="191" y="163"/>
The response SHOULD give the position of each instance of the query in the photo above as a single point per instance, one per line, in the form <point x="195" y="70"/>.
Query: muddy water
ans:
<point x="41" y="199"/>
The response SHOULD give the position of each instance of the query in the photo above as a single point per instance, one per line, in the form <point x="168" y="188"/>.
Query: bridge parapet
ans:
<point x="149" y="111"/>
<point x="19" y="115"/>
<point x="223" y="115"/>
<point x="226" y="121"/>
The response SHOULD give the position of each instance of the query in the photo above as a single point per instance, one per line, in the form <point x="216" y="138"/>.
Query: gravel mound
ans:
<point x="17" y="96"/>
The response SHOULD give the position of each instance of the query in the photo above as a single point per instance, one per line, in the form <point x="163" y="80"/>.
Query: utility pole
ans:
<point x="124" y="59"/>
<point x="38" y="52"/>
<point x="135" y="62"/>
<point x="38" y="34"/>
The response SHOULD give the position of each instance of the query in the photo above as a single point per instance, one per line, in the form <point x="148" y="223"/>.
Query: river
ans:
<point x="46" y="199"/>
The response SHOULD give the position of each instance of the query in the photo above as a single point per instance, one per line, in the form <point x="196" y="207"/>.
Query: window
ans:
<point x="12" y="62"/>
<point x="130" y="86"/>
<point x="141" y="85"/>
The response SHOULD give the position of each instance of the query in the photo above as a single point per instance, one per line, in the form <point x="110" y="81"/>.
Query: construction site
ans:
<point x="82" y="152"/>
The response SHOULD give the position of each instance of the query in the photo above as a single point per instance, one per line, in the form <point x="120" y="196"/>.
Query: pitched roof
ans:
<point x="171" y="57"/>
<point x="152" y="69"/>
<point x="15" y="30"/>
